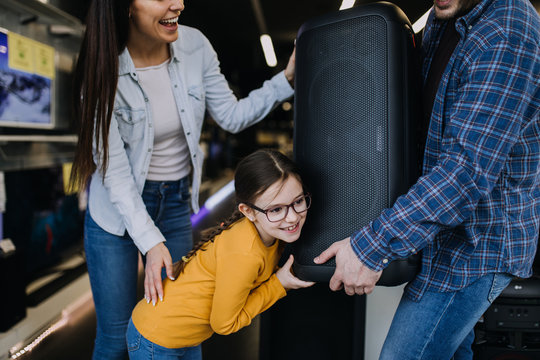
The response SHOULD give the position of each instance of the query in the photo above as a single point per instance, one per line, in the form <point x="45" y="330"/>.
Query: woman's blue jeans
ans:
<point x="141" y="348"/>
<point x="113" y="262"/>
<point x="441" y="324"/>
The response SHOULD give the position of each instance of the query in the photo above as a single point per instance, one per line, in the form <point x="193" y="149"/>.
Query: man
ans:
<point x="475" y="212"/>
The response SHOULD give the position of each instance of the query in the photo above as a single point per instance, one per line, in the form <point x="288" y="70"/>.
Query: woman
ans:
<point x="142" y="86"/>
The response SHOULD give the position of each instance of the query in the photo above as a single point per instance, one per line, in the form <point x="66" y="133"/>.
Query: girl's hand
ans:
<point x="288" y="280"/>
<point x="156" y="258"/>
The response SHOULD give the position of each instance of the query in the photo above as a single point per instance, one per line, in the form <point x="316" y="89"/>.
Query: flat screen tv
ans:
<point x="27" y="74"/>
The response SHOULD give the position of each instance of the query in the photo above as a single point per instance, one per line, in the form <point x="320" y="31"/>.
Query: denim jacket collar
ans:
<point x="126" y="65"/>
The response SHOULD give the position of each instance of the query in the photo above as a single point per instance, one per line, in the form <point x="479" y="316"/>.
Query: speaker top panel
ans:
<point x="387" y="11"/>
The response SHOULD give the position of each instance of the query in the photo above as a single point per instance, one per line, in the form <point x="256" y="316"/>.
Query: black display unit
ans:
<point x="510" y="328"/>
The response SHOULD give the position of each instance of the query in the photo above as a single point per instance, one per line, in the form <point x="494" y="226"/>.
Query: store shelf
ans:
<point x="46" y="13"/>
<point x="24" y="152"/>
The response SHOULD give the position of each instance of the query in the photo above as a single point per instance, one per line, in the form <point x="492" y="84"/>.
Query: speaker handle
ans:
<point x="398" y="272"/>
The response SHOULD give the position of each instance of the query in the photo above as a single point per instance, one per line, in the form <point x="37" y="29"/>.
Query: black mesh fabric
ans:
<point x="341" y="129"/>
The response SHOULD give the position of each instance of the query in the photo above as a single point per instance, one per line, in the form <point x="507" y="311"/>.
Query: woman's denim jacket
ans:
<point x="115" y="202"/>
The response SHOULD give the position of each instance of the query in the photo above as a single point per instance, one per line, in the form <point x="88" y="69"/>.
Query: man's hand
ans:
<point x="156" y="258"/>
<point x="350" y="273"/>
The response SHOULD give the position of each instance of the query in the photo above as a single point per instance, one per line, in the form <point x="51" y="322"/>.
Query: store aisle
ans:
<point x="74" y="336"/>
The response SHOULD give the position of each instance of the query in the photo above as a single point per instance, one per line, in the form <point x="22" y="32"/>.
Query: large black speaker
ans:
<point x="356" y="108"/>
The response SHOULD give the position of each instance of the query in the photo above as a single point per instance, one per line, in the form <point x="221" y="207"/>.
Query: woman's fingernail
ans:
<point x="316" y="260"/>
<point x="147" y="300"/>
<point x="170" y="277"/>
<point x="161" y="298"/>
<point x="153" y="303"/>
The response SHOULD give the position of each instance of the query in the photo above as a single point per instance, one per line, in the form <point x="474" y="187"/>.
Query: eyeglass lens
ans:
<point x="280" y="212"/>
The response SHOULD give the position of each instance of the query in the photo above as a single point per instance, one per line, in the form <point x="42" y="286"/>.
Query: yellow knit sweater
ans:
<point x="221" y="290"/>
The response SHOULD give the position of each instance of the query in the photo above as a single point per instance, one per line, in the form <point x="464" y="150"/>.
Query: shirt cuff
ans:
<point x="275" y="284"/>
<point x="151" y="239"/>
<point x="284" y="89"/>
<point x="369" y="250"/>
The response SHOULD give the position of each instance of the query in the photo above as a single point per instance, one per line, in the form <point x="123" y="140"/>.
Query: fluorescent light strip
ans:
<point x="219" y="196"/>
<point x="268" y="49"/>
<point x="28" y="348"/>
<point x="421" y="23"/>
<point x="212" y="202"/>
<point x="347" y="4"/>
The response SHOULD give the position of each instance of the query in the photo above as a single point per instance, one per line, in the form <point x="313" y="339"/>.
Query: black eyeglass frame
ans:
<point x="291" y="205"/>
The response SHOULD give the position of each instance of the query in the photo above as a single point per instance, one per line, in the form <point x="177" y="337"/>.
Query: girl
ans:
<point x="229" y="277"/>
<point x="143" y="83"/>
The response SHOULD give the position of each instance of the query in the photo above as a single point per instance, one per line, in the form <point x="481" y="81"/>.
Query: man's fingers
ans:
<point x="369" y="289"/>
<point x="349" y="290"/>
<point x="360" y="290"/>
<point x="336" y="282"/>
<point x="326" y="254"/>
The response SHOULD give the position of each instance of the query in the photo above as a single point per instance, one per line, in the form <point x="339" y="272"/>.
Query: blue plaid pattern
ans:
<point x="476" y="209"/>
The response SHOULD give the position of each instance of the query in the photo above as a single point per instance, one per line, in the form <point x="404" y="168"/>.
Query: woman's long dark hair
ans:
<point x="95" y="82"/>
<point x="253" y="176"/>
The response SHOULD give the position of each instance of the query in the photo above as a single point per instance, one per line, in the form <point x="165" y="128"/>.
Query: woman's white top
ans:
<point x="170" y="157"/>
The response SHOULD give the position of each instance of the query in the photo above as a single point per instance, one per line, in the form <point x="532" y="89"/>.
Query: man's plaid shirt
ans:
<point x="476" y="209"/>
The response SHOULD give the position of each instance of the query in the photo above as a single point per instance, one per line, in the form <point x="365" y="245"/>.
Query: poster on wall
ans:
<point x="26" y="78"/>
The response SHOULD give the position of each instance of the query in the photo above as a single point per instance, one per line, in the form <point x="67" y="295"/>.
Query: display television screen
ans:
<point x="26" y="81"/>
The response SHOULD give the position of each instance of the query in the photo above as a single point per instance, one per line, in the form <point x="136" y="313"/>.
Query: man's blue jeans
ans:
<point x="113" y="262"/>
<point x="441" y="324"/>
<point x="141" y="348"/>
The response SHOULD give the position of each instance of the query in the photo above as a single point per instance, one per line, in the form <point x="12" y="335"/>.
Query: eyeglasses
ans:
<point x="280" y="212"/>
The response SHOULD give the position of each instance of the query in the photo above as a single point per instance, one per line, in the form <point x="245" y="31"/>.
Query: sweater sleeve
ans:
<point x="237" y="299"/>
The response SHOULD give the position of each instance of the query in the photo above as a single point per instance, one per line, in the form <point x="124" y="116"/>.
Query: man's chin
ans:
<point x="444" y="14"/>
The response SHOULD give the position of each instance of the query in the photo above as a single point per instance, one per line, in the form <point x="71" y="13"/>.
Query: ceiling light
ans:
<point x="268" y="49"/>
<point x="347" y="4"/>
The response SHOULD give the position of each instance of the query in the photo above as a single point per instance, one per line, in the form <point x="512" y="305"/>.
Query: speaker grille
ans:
<point x="341" y="128"/>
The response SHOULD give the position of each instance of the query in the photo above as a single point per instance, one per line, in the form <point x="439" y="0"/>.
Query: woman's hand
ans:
<point x="156" y="258"/>
<point x="291" y="66"/>
<point x="288" y="280"/>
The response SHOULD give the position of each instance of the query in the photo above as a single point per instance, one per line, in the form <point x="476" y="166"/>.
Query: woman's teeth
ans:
<point x="172" y="21"/>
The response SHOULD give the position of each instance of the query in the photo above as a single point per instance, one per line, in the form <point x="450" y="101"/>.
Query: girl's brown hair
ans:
<point x="254" y="175"/>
